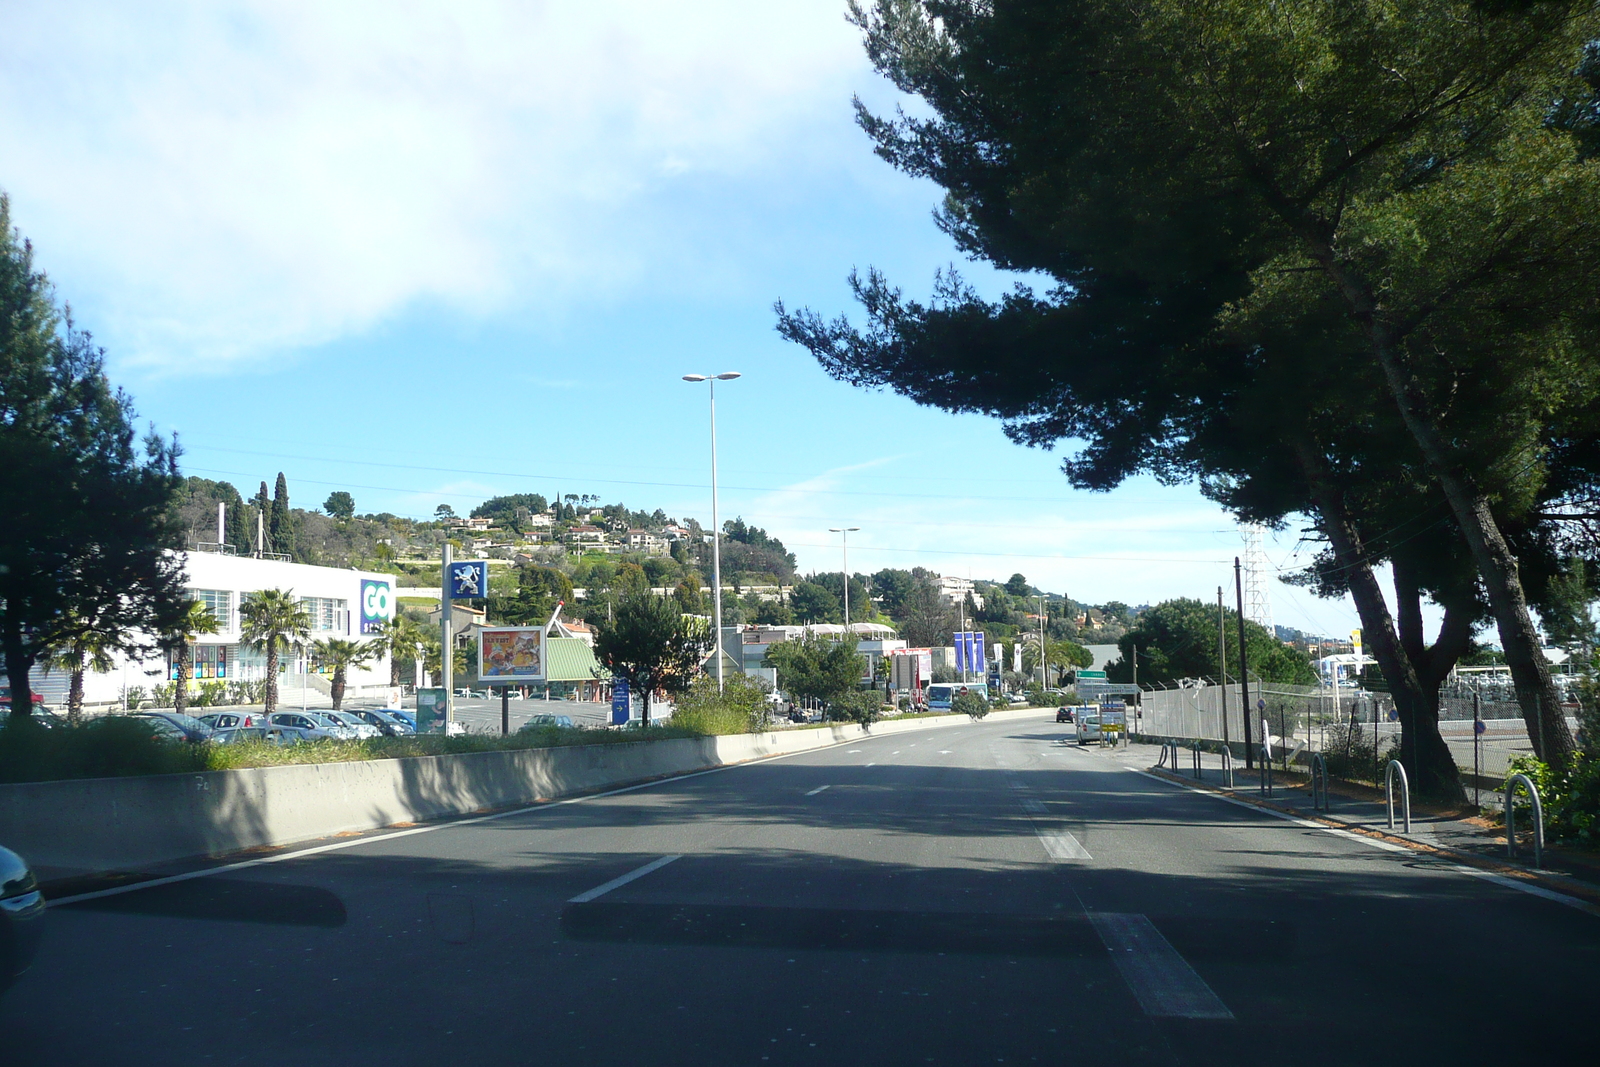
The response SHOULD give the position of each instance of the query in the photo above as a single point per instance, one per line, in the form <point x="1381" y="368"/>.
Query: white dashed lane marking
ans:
<point x="817" y="790"/>
<point x="1162" y="979"/>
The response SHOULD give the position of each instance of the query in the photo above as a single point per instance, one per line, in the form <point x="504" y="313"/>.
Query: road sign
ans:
<point x="620" y="703"/>
<point x="1092" y="676"/>
<point x="1478" y="726"/>
<point x="469" y="578"/>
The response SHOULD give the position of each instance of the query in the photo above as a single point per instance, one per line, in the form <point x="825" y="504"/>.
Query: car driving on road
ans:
<point x="1064" y="714"/>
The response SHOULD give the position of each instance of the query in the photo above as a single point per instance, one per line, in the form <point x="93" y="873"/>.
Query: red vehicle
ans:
<point x="5" y="697"/>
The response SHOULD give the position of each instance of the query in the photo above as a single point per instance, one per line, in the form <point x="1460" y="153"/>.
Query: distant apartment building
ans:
<point x="956" y="590"/>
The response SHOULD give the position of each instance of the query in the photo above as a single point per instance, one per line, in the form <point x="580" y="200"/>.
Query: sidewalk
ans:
<point x="1457" y="834"/>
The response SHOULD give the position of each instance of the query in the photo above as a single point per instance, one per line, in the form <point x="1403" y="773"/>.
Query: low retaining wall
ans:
<point x="132" y="823"/>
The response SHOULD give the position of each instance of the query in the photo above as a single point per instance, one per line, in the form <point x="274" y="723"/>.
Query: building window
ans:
<point x="210" y="661"/>
<point x="219" y="602"/>
<point x="327" y="613"/>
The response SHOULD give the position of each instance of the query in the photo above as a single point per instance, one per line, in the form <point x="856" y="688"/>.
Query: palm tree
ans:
<point x="196" y="620"/>
<point x="342" y="654"/>
<point x="400" y="637"/>
<point x="87" y="651"/>
<point x="270" y="621"/>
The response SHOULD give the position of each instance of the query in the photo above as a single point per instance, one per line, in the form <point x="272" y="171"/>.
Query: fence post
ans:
<point x="1511" y="818"/>
<point x="1388" y="791"/>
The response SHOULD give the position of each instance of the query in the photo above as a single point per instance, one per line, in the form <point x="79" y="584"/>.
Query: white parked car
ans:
<point x="360" y="729"/>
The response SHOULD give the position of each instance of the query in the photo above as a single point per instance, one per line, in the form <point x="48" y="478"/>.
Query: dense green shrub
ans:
<point x="1571" y="804"/>
<point x="104" y="747"/>
<point x="741" y="706"/>
<point x="970" y="704"/>
<point x="861" y="705"/>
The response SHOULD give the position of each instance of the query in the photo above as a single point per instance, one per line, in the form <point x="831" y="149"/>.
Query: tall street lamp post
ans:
<point x="846" y="531"/>
<point x="716" y="522"/>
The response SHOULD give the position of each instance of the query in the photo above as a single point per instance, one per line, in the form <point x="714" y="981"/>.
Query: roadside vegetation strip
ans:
<point x="1558" y="888"/>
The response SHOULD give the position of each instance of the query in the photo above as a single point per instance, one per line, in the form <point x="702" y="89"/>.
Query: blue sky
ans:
<point x="435" y="252"/>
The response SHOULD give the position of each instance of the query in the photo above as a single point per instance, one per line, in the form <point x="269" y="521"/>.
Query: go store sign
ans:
<point x="377" y="605"/>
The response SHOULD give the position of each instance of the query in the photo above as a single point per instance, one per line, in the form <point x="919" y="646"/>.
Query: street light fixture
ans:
<point x="716" y="522"/>
<point x="846" y="531"/>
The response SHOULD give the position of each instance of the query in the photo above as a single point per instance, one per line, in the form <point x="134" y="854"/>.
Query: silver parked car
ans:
<point x="305" y="726"/>
<point x="21" y="916"/>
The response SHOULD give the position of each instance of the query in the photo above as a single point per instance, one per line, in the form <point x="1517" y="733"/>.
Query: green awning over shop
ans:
<point x="569" y="659"/>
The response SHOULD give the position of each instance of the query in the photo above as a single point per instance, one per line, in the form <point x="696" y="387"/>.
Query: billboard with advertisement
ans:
<point x="511" y="655"/>
<point x="377" y="605"/>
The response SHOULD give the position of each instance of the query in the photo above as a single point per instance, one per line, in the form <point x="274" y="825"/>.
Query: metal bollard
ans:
<point x="1198" y="772"/>
<point x="1388" y="792"/>
<point x="1319" y="773"/>
<point x="1511" y="819"/>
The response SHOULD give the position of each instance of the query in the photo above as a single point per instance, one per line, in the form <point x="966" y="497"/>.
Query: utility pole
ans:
<point x="1244" y="666"/>
<point x="446" y="638"/>
<point x="846" y="531"/>
<point x="1222" y="665"/>
<point x="716" y="522"/>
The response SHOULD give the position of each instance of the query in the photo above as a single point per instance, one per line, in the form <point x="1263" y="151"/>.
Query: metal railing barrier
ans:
<point x="1227" y="766"/>
<point x="1319" y="776"/>
<point x="1266" y="771"/>
<point x="1166" y="747"/>
<point x="1198" y="771"/>
<point x="1511" y="818"/>
<point x="1405" y="792"/>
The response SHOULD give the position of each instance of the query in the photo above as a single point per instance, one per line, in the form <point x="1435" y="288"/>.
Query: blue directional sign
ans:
<point x="620" y="712"/>
<point x="469" y="578"/>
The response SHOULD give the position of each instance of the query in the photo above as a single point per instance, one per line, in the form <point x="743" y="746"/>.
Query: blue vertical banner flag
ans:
<point x="980" y="662"/>
<point x="959" y="639"/>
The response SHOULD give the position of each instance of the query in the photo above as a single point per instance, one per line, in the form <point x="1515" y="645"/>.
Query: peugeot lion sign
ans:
<point x="469" y="578"/>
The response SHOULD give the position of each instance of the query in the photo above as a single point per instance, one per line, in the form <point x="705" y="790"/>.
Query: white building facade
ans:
<point x="348" y="604"/>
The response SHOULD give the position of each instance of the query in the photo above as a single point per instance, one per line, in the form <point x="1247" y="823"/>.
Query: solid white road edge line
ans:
<point x="617" y="883"/>
<point x="1159" y="976"/>
<point x="1389" y="846"/>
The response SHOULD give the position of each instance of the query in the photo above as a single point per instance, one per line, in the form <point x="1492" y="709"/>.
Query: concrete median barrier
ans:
<point x="95" y="825"/>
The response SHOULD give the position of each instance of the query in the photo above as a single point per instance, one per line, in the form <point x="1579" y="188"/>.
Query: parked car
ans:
<point x="384" y="722"/>
<point x="304" y="726"/>
<point x="232" y="735"/>
<point x="228" y="720"/>
<point x="5" y="697"/>
<point x="1088" y="727"/>
<point x="40" y="716"/>
<point x="360" y="729"/>
<point x="401" y="714"/>
<point x="191" y="728"/>
<point x="21" y="917"/>
<point x="1064" y="714"/>
<point x="536" y="722"/>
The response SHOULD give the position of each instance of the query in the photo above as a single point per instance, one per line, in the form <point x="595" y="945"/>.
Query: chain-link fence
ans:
<point x="1355" y="729"/>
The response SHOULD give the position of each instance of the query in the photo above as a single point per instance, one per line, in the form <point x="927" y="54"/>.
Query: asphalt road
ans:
<point x="966" y="895"/>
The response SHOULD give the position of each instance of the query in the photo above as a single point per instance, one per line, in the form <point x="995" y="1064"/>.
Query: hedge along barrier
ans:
<point x="96" y="825"/>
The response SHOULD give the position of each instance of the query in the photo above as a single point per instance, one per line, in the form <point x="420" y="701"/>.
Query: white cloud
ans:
<point x="224" y="181"/>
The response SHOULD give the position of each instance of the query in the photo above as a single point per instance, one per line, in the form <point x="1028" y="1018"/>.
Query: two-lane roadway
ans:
<point x="972" y="894"/>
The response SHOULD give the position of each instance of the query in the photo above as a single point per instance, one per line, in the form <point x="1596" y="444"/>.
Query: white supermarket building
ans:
<point x="342" y="603"/>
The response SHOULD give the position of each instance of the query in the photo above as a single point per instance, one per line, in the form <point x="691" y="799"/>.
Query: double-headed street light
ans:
<point x="846" y="531"/>
<point x="716" y="523"/>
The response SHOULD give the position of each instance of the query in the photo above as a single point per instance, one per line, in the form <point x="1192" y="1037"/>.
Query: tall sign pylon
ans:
<point x="1257" y="576"/>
